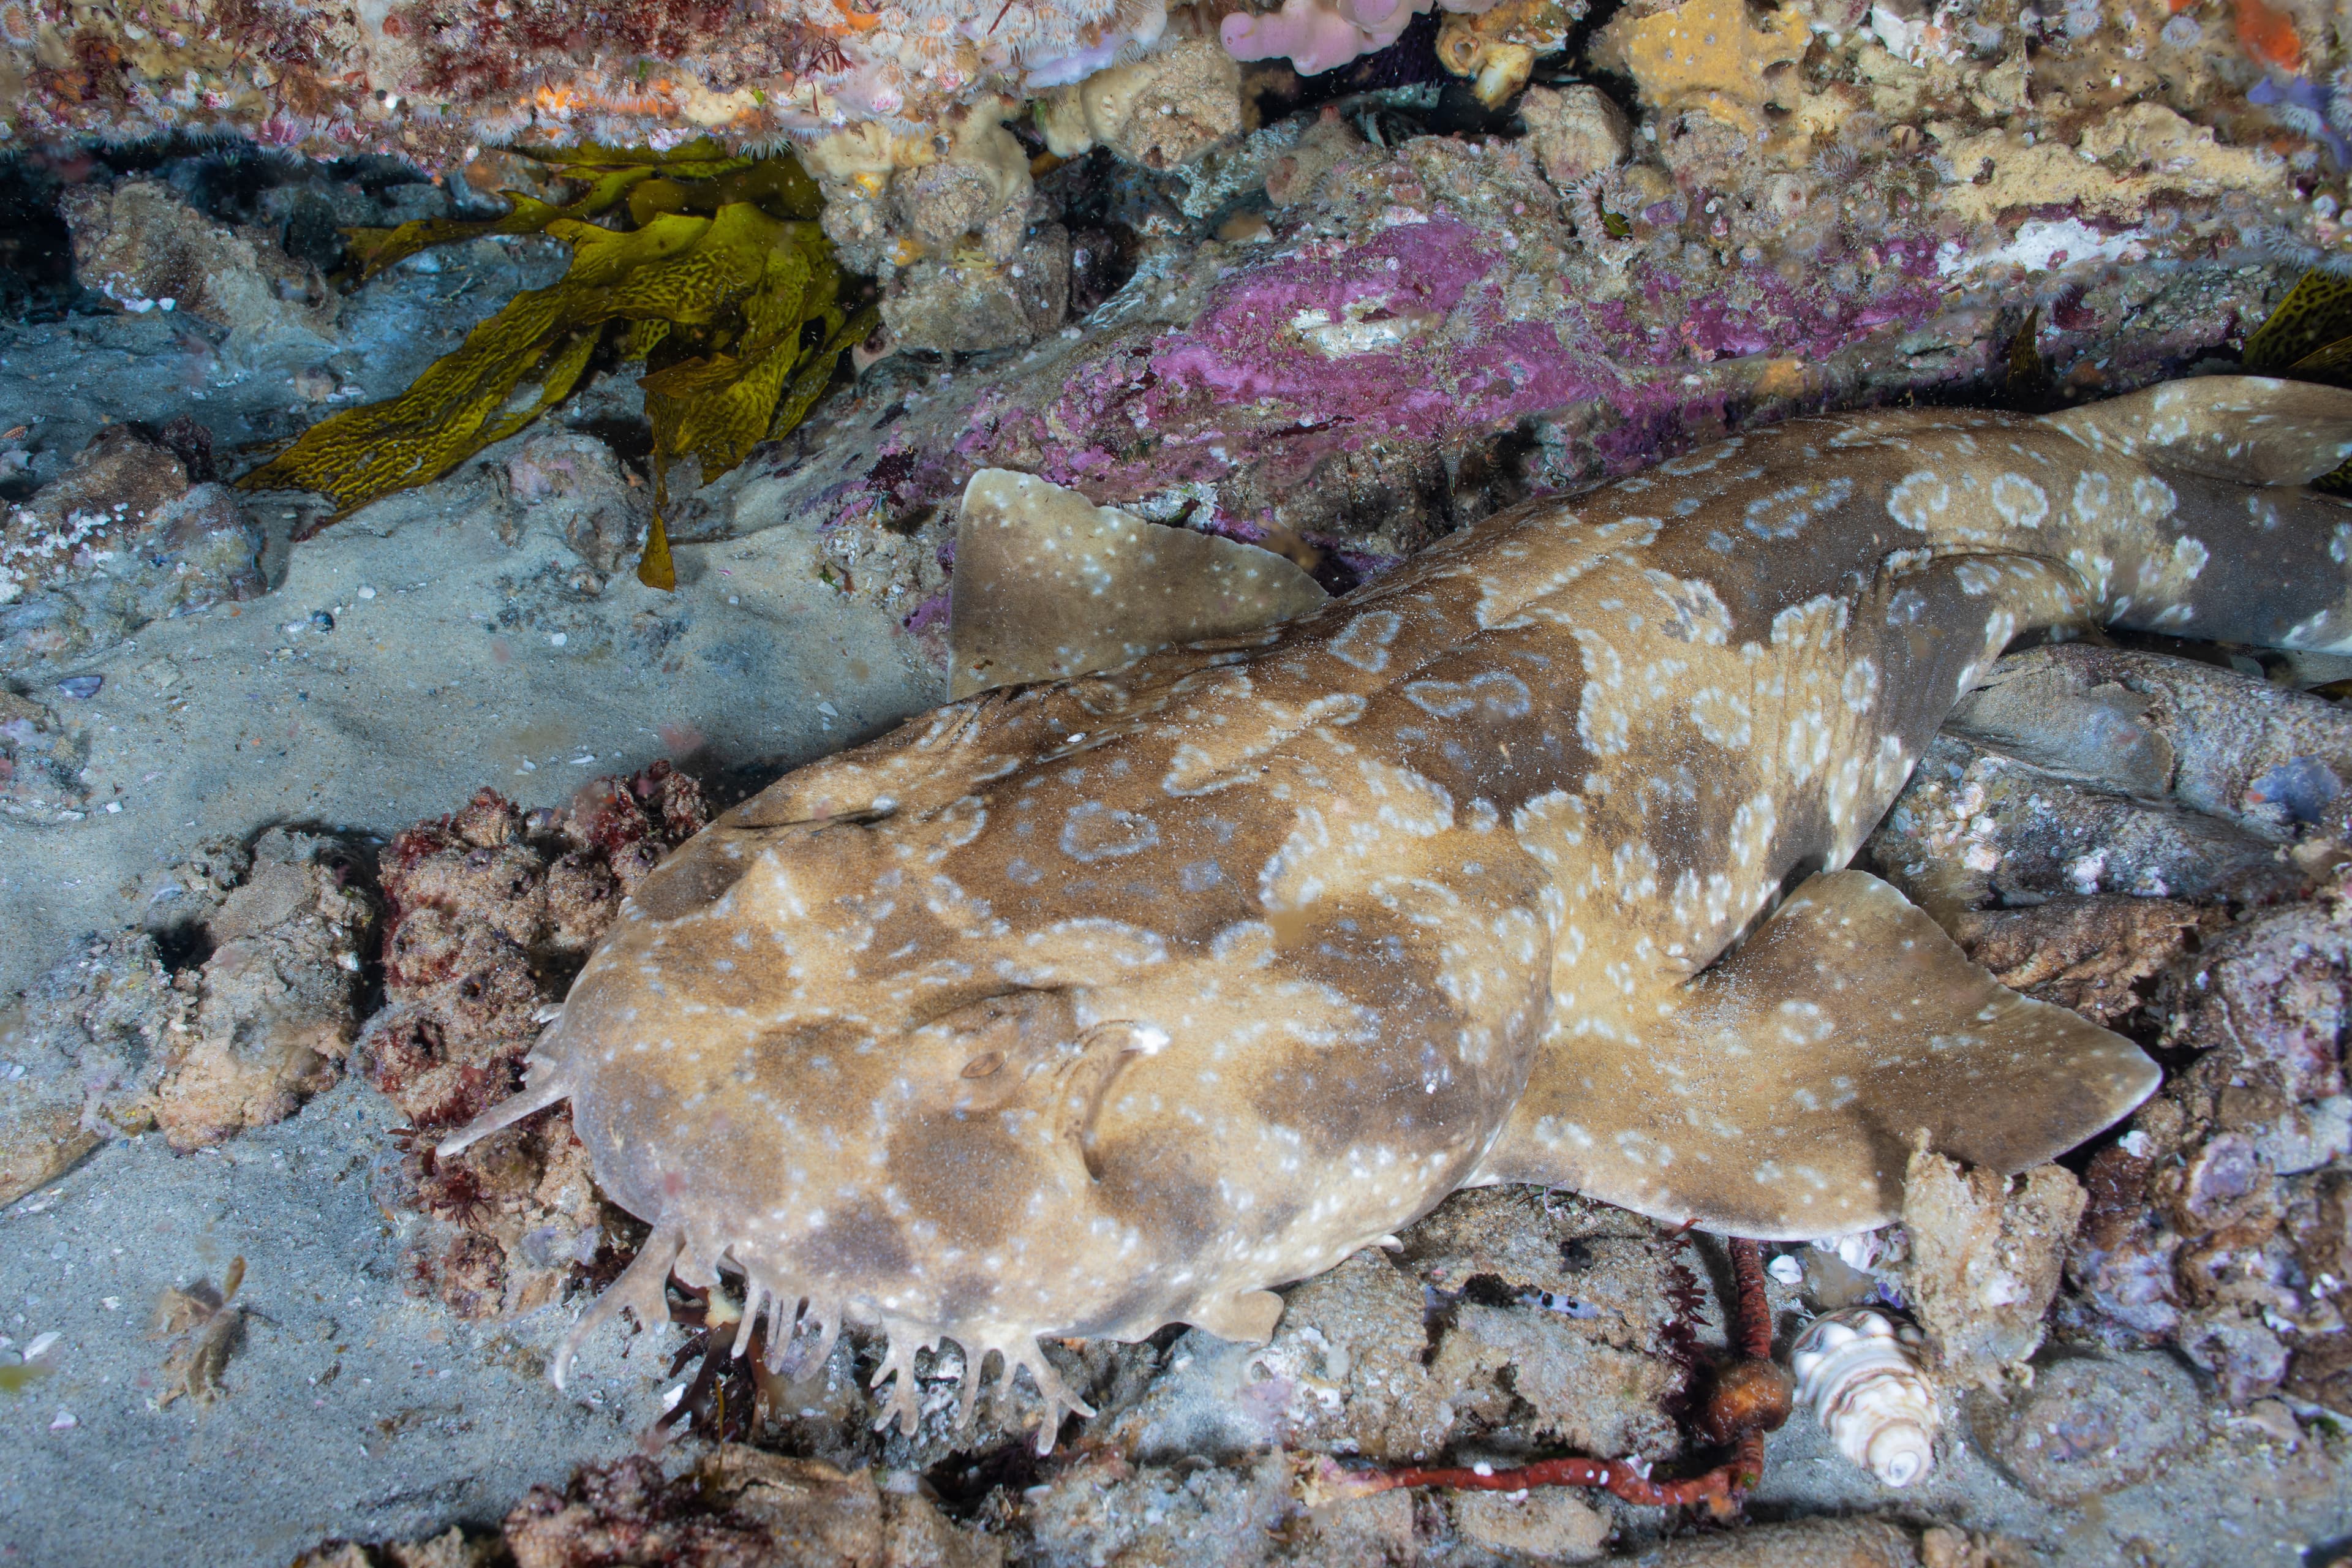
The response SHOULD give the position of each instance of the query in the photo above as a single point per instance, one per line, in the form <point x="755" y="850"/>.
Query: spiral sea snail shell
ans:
<point x="1858" y="1372"/>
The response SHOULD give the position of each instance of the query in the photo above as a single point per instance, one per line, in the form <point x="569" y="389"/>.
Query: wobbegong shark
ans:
<point x="1083" y="1007"/>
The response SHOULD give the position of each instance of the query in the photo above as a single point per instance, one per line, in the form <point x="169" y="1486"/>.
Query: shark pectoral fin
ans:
<point x="1247" y="1318"/>
<point x="1779" y="1093"/>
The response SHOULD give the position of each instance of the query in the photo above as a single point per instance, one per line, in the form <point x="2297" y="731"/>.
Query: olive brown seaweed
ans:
<point x="726" y="288"/>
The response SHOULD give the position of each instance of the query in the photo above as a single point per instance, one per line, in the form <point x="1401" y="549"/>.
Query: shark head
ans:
<point x="815" y="1056"/>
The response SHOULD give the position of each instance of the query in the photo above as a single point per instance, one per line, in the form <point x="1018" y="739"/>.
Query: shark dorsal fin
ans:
<point x="1048" y="585"/>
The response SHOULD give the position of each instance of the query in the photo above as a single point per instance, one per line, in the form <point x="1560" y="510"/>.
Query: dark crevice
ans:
<point x="962" y="1484"/>
<point x="630" y="440"/>
<point x="1571" y="63"/>
<point x="299" y="204"/>
<point x="184" y="946"/>
<point x="1278" y="92"/>
<point x="1098" y="199"/>
<point x="37" y="280"/>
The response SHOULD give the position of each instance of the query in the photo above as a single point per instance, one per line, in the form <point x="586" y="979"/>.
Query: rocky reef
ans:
<point x="303" y="828"/>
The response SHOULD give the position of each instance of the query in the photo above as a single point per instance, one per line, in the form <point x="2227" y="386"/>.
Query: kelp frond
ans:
<point x="2311" y="328"/>
<point x="700" y="176"/>
<point x="725" y="287"/>
<point x="2309" y="338"/>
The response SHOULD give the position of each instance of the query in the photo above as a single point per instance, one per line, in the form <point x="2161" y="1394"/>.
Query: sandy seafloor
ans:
<point x="362" y="1411"/>
<point x="358" y="1410"/>
<point x="247" y="714"/>
<point x="356" y="1406"/>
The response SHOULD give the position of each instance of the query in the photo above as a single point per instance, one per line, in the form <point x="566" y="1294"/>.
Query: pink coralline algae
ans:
<point x="1405" y="336"/>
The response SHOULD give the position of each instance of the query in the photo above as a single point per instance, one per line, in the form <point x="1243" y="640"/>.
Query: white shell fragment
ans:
<point x="1860" y="1375"/>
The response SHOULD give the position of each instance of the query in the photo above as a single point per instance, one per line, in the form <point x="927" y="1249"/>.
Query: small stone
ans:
<point x="1550" y="1525"/>
<point x="573" y="484"/>
<point x="81" y="686"/>
<point x="2274" y="1420"/>
<point x="2092" y="1425"/>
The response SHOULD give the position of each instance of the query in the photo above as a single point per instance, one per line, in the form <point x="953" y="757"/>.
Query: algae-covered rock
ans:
<point x="1797" y="1543"/>
<point x="41" y="759"/>
<point x="233" y="1005"/>
<point x="580" y="486"/>
<point x="80" y="1055"/>
<point x="127" y="536"/>
<point x="1533" y="1526"/>
<point x="277" y="997"/>
<point x="1987" y="1254"/>
<point x="1164" y="110"/>
<point x="739" y="1506"/>
<point x="146" y="249"/>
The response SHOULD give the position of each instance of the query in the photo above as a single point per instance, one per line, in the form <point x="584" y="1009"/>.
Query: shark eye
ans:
<point x="984" y="1064"/>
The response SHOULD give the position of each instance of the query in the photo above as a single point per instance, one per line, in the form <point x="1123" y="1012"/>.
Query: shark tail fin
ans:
<point x="2241" y="429"/>
<point x="2228" y="518"/>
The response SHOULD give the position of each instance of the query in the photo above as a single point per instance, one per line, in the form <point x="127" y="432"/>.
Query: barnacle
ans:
<point x="725" y="287"/>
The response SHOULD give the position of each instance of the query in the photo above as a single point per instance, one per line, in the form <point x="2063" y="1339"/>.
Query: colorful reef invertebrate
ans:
<point x="1317" y="36"/>
<point x="739" y="314"/>
<point x="1160" y="111"/>
<point x="1708" y="55"/>
<point x="429" y="79"/>
<point x="949" y="222"/>
<point x="1090" y="1006"/>
<point x="1497" y="47"/>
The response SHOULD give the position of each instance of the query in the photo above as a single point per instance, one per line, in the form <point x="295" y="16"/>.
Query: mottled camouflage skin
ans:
<point x="1081" y="1008"/>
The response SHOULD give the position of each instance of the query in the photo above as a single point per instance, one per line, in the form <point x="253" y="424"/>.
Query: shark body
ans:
<point x="1081" y="1008"/>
